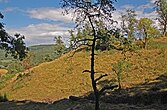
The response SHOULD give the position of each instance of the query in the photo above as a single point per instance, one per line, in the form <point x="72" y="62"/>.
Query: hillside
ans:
<point x="63" y="77"/>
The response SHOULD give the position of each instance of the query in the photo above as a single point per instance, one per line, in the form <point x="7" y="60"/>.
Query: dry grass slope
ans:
<point x="63" y="77"/>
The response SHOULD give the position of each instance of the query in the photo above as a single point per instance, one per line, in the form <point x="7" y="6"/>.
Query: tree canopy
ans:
<point x="161" y="9"/>
<point x="14" y="45"/>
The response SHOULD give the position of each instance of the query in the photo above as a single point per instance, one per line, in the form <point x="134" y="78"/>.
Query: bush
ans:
<point x="3" y="98"/>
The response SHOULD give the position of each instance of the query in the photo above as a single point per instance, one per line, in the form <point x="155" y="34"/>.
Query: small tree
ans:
<point x="146" y="28"/>
<point x="59" y="46"/>
<point x="161" y="9"/>
<point x="26" y="63"/>
<point x="92" y="12"/>
<point x="120" y="67"/>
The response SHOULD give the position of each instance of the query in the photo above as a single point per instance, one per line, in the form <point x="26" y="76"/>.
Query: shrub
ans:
<point x="3" y="98"/>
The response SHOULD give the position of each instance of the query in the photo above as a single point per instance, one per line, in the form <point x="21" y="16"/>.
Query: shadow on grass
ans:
<point x="150" y="95"/>
<point x="62" y="104"/>
<point x="153" y="92"/>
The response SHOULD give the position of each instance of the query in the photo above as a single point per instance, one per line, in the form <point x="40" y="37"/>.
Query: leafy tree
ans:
<point x="82" y="34"/>
<point x="161" y="9"/>
<point x="92" y="12"/>
<point x="128" y="28"/>
<point x="119" y="68"/>
<point x="59" y="46"/>
<point x="13" y="45"/>
<point x="79" y="35"/>
<point x="104" y="42"/>
<point x="147" y="29"/>
<point x="128" y="23"/>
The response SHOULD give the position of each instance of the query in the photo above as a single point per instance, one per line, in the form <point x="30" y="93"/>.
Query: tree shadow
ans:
<point x="149" y="95"/>
<point x="63" y="104"/>
<point x="152" y="92"/>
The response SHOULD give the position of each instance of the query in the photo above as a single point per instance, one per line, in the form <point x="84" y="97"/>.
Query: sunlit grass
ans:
<point x="63" y="77"/>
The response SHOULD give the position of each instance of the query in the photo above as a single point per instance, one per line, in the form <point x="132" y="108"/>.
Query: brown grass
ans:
<point x="162" y="39"/>
<point x="63" y="77"/>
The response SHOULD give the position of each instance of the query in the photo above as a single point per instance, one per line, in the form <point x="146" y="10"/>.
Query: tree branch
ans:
<point x="102" y="76"/>
<point x="86" y="71"/>
<point x="107" y="88"/>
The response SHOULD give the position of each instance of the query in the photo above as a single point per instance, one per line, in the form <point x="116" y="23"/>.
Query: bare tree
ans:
<point x="92" y="12"/>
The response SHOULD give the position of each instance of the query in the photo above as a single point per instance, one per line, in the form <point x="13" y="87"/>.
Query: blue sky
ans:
<point x="41" y="20"/>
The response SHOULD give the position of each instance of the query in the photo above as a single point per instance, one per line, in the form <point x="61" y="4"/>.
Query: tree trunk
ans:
<point x="164" y="30"/>
<point x="96" y="92"/>
<point x="145" y="39"/>
<point x="119" y="82"/>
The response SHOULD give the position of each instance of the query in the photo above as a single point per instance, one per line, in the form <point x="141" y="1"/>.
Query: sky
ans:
<point x="41" y="20"/>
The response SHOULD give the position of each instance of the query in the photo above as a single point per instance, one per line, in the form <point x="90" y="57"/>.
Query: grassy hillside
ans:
<point x="63" y="77"/>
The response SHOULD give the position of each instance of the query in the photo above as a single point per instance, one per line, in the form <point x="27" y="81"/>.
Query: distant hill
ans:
<point x="39" y="54"/>
<point x="42" y="53"/>
<point x="63" y="77"/>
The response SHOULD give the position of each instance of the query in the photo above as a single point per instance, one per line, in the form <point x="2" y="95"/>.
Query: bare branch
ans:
<point x="102" y="76"/>
<point x="107" y="88"/>
<point x="86" y="71"/>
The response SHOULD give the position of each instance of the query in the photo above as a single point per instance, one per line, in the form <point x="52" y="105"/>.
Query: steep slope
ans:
<point x="63" y="77"/>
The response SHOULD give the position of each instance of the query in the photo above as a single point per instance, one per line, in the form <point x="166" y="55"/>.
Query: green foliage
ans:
<point x="59" y="46"/>
<point x="37" y="54"/>
<point x="146" y="28"/>
<point x="161" y="9"/>
<point x="14" y="45"/>
<point x="81" y="36"/>
<point x="42" y="53"/>
<point x="120" y="67"/>
<point x="158" y="45"/>
<point x="4" y="78"/>
<point x="128" y="23"/>
<point x="15" y="67"/>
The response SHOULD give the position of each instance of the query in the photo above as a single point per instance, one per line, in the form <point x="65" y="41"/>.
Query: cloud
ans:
<point x="153" y="1"/>
<point x="43" y="33"/>
<point x="141" y="11"/>
<point x="12" y="9"/>
<point x="127" y="7"/>
<point x="54" y="14"/>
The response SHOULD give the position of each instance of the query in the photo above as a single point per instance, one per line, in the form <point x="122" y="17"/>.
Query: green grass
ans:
<point x="42" y="53"/>
<point x="5" y="78"/>
<point x="158" y="45"/>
